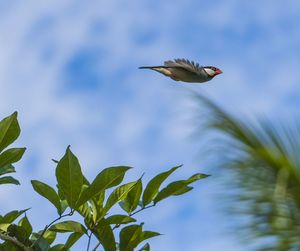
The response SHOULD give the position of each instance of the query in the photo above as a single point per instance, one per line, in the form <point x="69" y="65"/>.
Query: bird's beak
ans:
<point x="218" y="71"/>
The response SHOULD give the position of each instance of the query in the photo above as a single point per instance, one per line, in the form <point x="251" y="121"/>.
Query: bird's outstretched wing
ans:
<point x="185" y="64"/>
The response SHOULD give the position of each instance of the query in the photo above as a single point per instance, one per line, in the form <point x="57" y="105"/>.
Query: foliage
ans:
<point x="9" y="132"/>
<point x="75" y="194"/>
<point x="263" y="162"/>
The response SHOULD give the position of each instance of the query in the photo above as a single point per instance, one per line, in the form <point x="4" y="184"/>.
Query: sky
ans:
<point x="70" y="68"/>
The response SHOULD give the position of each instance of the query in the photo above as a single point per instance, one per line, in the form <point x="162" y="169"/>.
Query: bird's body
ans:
<point x="186" y="71"/>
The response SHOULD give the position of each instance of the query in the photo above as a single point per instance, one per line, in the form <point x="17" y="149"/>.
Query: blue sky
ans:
<point x="70" y="69"/>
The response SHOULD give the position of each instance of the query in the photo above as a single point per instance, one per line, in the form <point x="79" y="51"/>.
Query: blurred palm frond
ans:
<point x="263" y="159"/>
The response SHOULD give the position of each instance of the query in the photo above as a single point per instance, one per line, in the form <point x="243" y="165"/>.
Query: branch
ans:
<point x="95" y="248"/>
<point x="50" y="224"/>
<point x="6" y="237"/>
<point x="89" y="242"/>
<point x="141" y="209"/>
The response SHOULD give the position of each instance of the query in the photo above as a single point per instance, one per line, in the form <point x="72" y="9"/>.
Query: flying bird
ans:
<point x="186" y="71"/>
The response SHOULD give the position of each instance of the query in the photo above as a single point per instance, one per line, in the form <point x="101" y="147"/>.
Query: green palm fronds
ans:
<point x="263" y="159"/>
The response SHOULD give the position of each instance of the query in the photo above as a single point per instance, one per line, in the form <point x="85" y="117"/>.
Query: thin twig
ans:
<point x="89" y="241"/>
<point x="95" y="248"/>
<point x="50" y="224"/>
<point x="141" y="209"/>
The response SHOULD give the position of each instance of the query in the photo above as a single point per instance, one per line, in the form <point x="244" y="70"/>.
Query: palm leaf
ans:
<point x="263" y="159"/>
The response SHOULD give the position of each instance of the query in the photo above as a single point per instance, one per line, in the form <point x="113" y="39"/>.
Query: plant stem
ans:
<point x="95" y="248"/>
<point x="89" y="241"/>
<point x="141" y="209"/>
<point x="50" y="224"/>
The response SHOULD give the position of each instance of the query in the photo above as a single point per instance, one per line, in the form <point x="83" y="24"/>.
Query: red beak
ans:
<point x="218" y="71"/>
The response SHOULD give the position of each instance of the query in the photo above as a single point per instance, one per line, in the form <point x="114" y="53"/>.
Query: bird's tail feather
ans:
<point x="161" y="69"/>
<point x="152" y="67"/>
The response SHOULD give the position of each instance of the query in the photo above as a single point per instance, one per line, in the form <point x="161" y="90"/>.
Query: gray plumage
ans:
<point x="185" y="70"/>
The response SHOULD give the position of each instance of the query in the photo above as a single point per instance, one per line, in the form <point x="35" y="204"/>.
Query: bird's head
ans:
<point x="212" y="71"/>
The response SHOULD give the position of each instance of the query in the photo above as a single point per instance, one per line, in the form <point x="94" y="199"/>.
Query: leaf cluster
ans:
<point x="93" y="201"/>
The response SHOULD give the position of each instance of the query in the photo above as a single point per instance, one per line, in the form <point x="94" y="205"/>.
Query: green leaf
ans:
<point x="9" y="180"/>
<point x="49" y="236"/>
<point x="24" y="222"/>
<point x="132" y="199"/>
<point x="11" y="216"/>
<point x="184" y="190"/>
<point x="146" y="247"/>
<point x="153" y="186"/>
<point x="11" y="155"/>
<point x="41" y="245"/>
<point x="148" y="234"/>
<point x="119" y="194"/>
<point x="119" y="219"/>
<point x="61" y="194"/>
<point x="197" y="176"/>
<point x="58" y="247"/>
<point x="7" y="169"/>
<point x="98" y="199"/>
<point x="86" y="212"/>
<point x="73" y="238"/>
<point x="47" y="192"/>
<point x="106" y="236"/>
<point x="97" y="206"/>
<point x="129" y="237"/>
<point x="178" y="187"/>
<point x="9" y="130"/>
<point x="107" y="178"/>
<point x="172" y="189"/>
<point x="63" y="205"/>
<point x="68" y="226"/>
<point x="4" y="226"/>
<point x="69" y="177"/>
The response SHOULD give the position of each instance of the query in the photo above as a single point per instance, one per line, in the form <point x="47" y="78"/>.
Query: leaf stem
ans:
<point x="95" y="248"/>
<point x="89" y="241"/>
<point x="141" y="209"/>
<point x="50" y="224"/>
<point x="131" y="214"/>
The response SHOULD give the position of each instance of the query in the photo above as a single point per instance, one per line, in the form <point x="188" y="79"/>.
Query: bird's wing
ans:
<point x="185" y="64"/>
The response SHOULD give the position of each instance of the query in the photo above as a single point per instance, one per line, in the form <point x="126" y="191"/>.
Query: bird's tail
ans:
<point x="151" y="67"/>
<point x="161" y="69"/>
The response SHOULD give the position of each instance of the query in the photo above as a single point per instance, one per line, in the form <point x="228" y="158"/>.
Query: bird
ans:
<point x="185" y="71"/>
